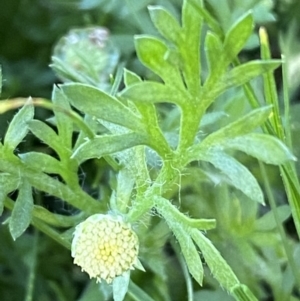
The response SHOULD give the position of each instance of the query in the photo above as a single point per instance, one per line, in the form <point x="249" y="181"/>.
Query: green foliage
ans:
<point x="156" y="148"/>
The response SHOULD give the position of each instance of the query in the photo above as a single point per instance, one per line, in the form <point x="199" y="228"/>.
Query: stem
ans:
<point x="31" y="277"/>
<point x="270" y="91"/>
<point x="50" y="232"/>
<point x="46" y="104"/>
<point x="286" y="101"/>
<point x="189" y="124"/>
<point x="186" y="274"/>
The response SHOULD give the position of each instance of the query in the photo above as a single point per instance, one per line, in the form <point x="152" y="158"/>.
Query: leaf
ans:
<point x="105" y="145"/>
<point x="190" y="47"/>
<point x="216" y="263"/>
<point x="181" y="231"/>
<point x="99" y="104"/>
<point x="153" y="92"/>
<point x="261" y="146"/>
<point x="267" y="222"/>
<point x="130" y="78"/>
<point x="8" y="183"/>
<point x="22" y="212"/>
<point x="243" y="74"/>
<point x="45" y="133"/>
<point x="65" y="71"/>
<point x="166" y="24"/>
<point x="242" y="126"/>
<point x="18" y="127"/>
<point x="154" y="53"/>
<point x="214" y="54"/>
<point x="238" y="35"/>
<point x="239" y="176"/>
<point x="147" y="109"/>
<point x="63" y="121"/>
<point x="170" y="212"/>
<point x="211" y="118"/>
<point x="189" y="252"/>
<point x="125" y="183"/>
<point x="207" y="17"/>
<point x="41" y="162"/>
<point x="120" y="286"/>
<point x="96" y="292"/>
<point x="242" y="293"/>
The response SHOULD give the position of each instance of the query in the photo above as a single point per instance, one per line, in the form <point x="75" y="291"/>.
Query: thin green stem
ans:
<point x="186" y="274"/>
<point x="292" y="188"/>
<point x="118" y="78"/>
<point x="270" y="86"/>
<point x="289" y="175"/>
<point x="50" y="232"/>
<point x="46" y="104"/>
<point x="32" y="267"/>
<point x="286" y="101"/>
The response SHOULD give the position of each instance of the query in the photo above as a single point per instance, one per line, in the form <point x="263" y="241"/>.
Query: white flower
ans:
<point x="105" y="247"/>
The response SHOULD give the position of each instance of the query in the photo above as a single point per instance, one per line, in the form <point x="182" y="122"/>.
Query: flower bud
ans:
<point x="105" y="247"/>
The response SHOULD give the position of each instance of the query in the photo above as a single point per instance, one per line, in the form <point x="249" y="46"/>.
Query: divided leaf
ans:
<point x="63" y="121"/>
<point x="190" y="47"/>
<point x="216" y="263"/>
<point x="181" y="231"/>
<point x="214" y="54"/>
<point x="242" y="126"/>
<point x="99" y="104"/>
<point x="166" y="24"/>
<point x="267" y="222"/>
<point x="42" y="162"/>
<point x="154" y="54"/>
<point x="239" y="176"/>
<point x="106" y="145"/>
<point x="45" y="133"/>
<point x="18" y="127"/>
<point x="154" y="92"/>
<point x="122" y="196"/>
<point x="8" y="183"/>
<point x="130" y="78"/>
<point x="261" y="146"/>
<point x="207" y="17"/>
<point x="243" y="74"/>
<point x="22" y="212"/>
<point x="190" y="253"/>
<point x="238" y="35"/>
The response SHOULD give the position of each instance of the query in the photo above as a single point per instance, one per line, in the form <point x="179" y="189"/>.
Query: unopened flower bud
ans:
<point x="105" y="247"/>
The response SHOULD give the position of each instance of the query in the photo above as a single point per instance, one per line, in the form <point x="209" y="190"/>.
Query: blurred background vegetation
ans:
<point x="29" y="31"/>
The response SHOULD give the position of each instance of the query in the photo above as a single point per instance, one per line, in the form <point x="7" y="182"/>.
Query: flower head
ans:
<point x="105" y="247"/>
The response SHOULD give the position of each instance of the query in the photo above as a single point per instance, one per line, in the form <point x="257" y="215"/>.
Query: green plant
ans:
<point x="157" y="136"/>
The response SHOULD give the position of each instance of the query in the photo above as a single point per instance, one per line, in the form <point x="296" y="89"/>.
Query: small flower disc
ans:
<point x="104" y="247"/>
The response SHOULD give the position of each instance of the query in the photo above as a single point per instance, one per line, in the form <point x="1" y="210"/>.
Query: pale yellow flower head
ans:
<point x="105" y="247"/>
